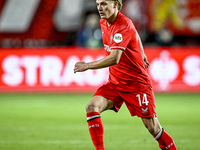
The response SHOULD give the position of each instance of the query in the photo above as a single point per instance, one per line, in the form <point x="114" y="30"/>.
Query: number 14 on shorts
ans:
<point x="144" y="99"/>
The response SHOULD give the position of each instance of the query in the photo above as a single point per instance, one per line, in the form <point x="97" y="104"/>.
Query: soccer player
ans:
<point x="128" y="82"/>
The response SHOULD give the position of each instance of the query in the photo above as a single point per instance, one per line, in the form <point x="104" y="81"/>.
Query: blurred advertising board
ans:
<point x="48" y="22"/>
<point x="175" y="69"/>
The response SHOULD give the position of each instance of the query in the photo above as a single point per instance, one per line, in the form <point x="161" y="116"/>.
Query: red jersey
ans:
<point x="129" y="74"/>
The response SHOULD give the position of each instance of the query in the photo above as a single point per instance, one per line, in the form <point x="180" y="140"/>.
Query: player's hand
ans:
<point x="80" y="67"/>
<point x="147" y="64"/>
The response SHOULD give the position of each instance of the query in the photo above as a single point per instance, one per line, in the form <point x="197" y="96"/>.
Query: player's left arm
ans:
<point x="147" y="64"/>
<point x="107" y="61"/>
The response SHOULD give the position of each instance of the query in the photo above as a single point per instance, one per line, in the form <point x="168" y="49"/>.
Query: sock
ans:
<point x="96" y="129"/>
<point x="165" y="141"/>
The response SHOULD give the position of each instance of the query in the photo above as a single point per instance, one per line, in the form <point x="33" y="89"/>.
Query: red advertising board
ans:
<point x="174" y="69"/>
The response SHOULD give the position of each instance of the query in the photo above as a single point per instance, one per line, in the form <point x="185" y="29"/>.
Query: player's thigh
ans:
<point x="114" y="100"/>
<point x="99" y="104"/>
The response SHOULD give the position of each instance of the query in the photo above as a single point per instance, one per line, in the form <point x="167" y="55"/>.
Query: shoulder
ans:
<point x="124" y="22"/>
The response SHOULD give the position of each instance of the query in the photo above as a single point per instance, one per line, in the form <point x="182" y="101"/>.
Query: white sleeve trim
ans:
<point x="117" y="48"/>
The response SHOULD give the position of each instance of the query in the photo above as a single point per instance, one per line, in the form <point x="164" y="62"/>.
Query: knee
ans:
<point x="97" y="104"/>
<point x="90" y="107"/>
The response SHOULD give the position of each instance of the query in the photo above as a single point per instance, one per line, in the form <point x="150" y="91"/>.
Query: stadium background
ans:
<point x="42" y="101"/>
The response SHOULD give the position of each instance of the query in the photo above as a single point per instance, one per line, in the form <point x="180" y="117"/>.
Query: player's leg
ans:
<point x="165" y="141"/>
<point x="99" y="104"/>
<point x="152" y="124"/>
<point x="95" y="124"/>
<point x="142" y="104"/>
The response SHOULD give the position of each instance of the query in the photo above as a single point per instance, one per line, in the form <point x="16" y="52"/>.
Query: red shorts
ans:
<point x="140" y="102"/>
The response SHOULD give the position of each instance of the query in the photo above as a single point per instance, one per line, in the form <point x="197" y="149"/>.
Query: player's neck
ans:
<point x="112" y="18"/>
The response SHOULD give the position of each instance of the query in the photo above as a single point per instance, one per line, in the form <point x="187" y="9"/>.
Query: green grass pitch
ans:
<point x="58" y="122"/>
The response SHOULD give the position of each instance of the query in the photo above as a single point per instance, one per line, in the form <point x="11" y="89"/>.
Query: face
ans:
<point x="106" y="8"/>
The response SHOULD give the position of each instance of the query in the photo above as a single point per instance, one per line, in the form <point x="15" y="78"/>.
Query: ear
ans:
<point x="115" y="4"/>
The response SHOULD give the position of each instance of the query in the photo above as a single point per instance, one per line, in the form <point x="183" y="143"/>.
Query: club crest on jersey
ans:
<point x="118" y="38"/>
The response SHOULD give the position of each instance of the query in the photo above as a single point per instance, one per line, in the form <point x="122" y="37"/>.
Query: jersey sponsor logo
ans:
<point x="107" y="48"/>
<point x="118" y="38"/>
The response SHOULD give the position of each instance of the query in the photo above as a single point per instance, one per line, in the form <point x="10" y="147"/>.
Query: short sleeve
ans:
<point x="121" y="37"/>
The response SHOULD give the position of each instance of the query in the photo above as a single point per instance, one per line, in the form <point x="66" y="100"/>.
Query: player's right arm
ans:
<point x="107" y="61"/>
